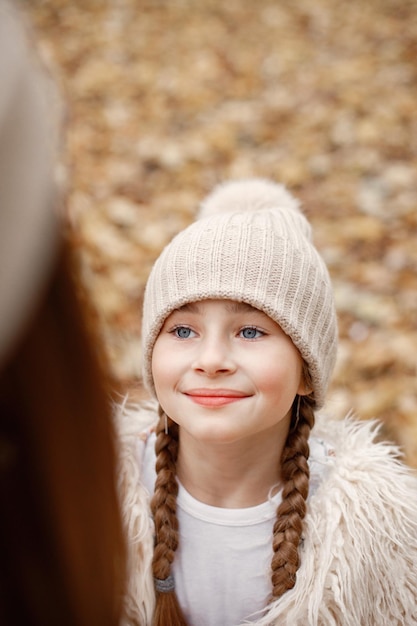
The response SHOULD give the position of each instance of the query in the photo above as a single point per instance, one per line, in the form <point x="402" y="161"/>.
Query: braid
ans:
<point x="292" y="510"/>
<point x="163" y="505"/>
<point x="287" y="528"/>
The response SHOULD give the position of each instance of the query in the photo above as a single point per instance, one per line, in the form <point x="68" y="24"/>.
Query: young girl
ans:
<point x="239" y="508"/>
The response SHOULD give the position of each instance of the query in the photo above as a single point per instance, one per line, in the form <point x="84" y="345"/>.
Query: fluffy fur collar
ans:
<point x="360" y="540"/>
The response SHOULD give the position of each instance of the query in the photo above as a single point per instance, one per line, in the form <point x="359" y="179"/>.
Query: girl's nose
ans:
<point x="214" y="357"/>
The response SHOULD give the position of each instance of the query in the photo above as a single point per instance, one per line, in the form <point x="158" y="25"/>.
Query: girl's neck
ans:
<point x="234" y="475"/>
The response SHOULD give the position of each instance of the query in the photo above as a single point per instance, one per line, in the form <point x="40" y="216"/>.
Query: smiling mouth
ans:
<point x="215" y="397"/>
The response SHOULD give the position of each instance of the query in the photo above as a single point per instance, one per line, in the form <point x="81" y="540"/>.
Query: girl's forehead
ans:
<point x="230" y="306"/>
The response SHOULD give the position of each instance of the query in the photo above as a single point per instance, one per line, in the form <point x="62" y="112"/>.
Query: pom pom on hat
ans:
<point x="253" y="194"/>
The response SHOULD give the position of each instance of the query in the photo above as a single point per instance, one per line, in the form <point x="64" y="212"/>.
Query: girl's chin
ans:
<point x="212" y="435"/>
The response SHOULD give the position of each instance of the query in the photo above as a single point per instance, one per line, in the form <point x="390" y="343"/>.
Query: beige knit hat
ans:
<point x="251" y="244"/>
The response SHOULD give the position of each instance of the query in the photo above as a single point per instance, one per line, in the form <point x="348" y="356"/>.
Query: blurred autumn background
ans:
<point x="167" y="98"/>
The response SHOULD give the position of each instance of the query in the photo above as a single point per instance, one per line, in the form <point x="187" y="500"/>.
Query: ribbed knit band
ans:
<point x="264" y="258"/>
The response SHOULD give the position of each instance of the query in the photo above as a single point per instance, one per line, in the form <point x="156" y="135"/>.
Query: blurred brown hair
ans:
<point x="61" y="546"/>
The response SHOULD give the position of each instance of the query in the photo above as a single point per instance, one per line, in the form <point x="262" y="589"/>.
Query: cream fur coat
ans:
<point x="359" y="556"/>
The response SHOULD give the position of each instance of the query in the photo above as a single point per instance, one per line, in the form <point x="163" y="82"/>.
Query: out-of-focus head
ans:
<point x="30" y="115"/>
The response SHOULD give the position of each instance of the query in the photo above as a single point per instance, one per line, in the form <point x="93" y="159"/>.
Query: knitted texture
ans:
<point x="251" y="244"/>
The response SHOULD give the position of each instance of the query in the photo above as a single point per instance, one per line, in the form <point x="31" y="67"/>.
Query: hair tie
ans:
<point x="165" y="585"/>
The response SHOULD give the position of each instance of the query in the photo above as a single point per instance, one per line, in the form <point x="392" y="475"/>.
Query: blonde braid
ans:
<point x="164" y="506"/>
<point x="292" y="510"/>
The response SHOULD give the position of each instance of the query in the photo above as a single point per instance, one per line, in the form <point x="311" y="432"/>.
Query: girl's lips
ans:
<point x="214" y="397"/>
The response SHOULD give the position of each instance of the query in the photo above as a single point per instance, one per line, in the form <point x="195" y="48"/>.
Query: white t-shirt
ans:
<point x="222" y="564"/>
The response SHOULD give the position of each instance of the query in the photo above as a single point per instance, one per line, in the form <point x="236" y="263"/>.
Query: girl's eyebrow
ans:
<point x="241" y="307"/>
<point x="190" y="307"/>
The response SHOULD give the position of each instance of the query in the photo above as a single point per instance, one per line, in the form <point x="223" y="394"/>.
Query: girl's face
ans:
<point x="224" y="371"/>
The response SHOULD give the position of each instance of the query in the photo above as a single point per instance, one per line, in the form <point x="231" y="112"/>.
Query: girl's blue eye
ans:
<point x="251" y="333"/>
<point x="183" y="332"/>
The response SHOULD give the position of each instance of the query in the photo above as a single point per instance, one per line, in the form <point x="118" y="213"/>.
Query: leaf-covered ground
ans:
<point x="166" y="98"/>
